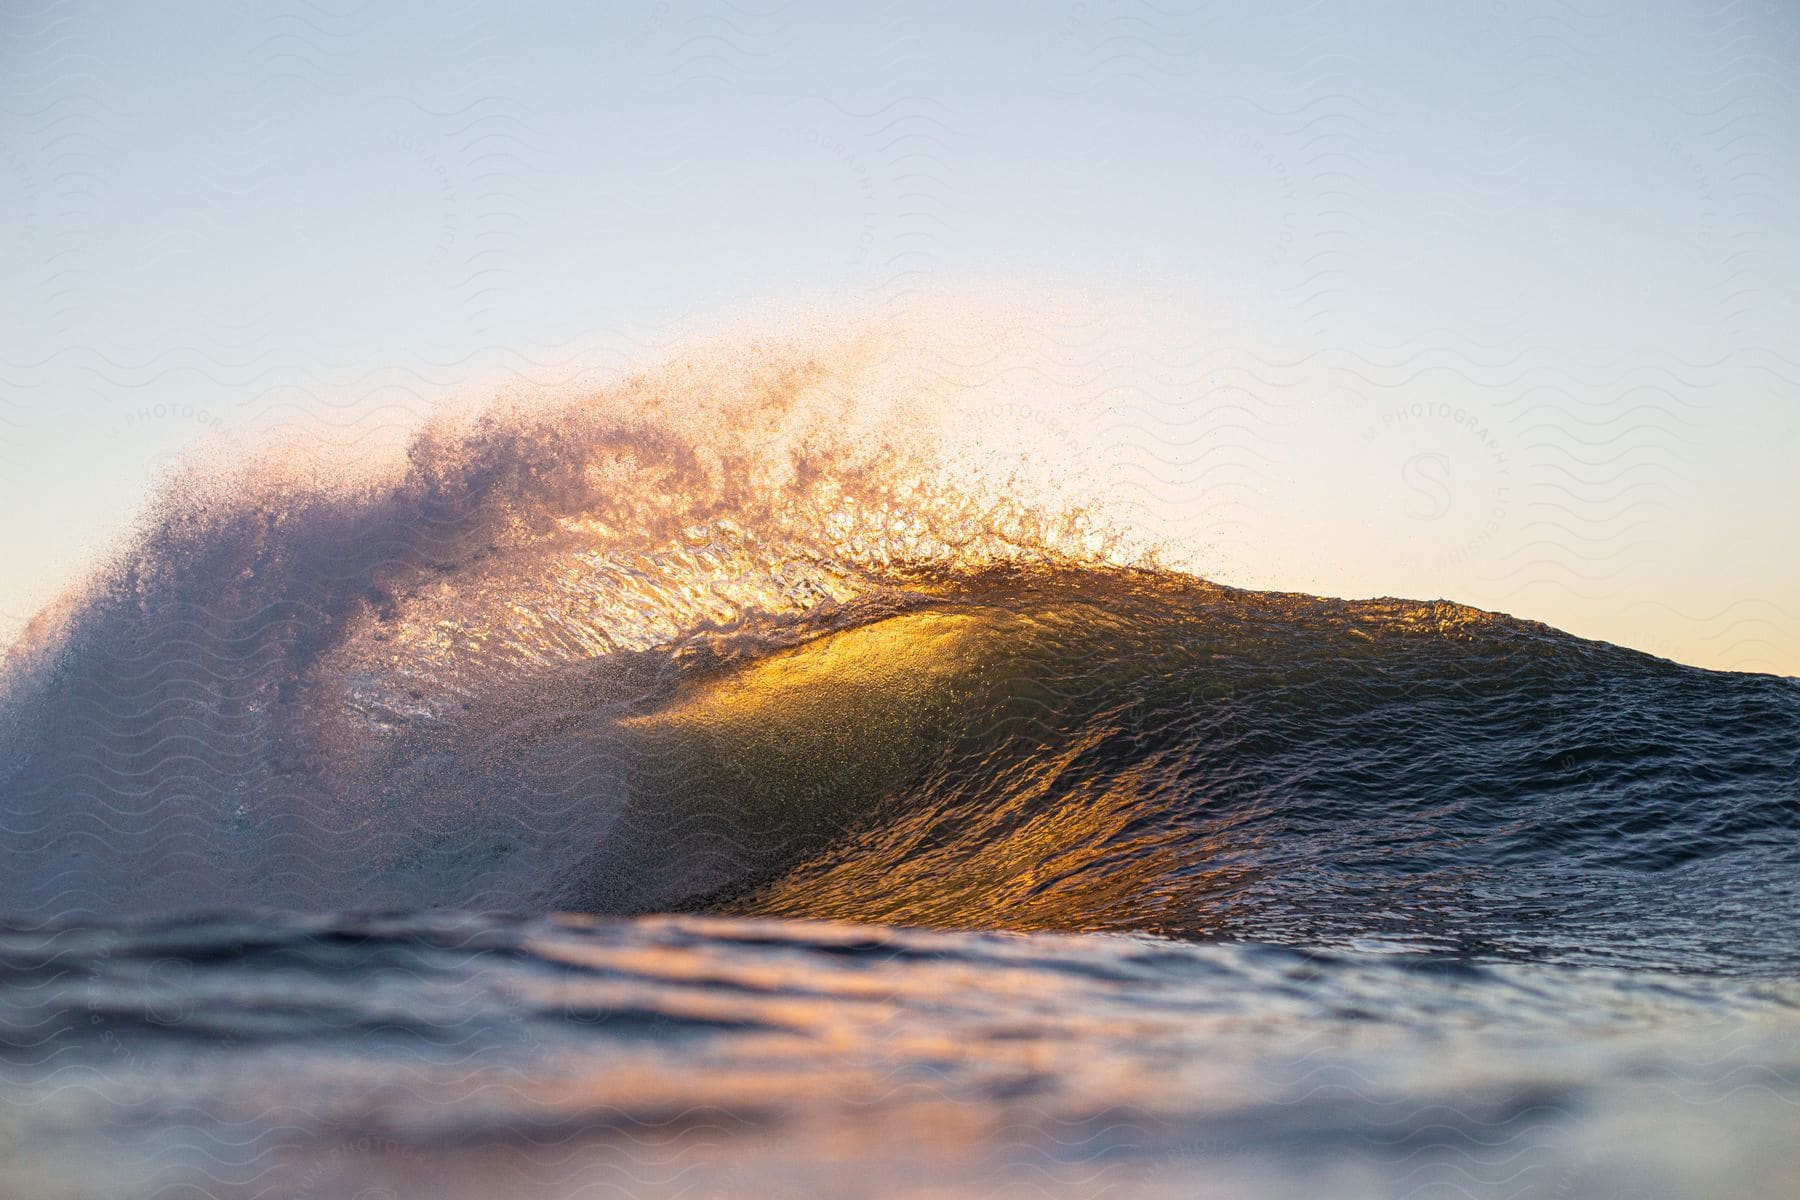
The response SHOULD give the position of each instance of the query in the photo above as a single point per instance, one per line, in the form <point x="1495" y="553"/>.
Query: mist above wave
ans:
<point x="219" y="714"/>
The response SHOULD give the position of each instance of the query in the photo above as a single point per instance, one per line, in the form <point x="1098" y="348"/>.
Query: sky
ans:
<point x="1493" y="302"/>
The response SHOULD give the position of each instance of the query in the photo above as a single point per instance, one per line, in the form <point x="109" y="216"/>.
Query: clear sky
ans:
<point x="1499" y="302"/>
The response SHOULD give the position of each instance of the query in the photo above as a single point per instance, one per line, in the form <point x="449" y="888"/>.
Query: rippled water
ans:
<point x="461" y="1056"/>
<point x="857" y="836"/>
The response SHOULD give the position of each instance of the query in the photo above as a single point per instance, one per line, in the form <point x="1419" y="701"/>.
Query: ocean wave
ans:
<point x="736" y="638"/>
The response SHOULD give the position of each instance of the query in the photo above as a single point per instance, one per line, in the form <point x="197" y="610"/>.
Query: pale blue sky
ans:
<point x="1572" y="224"/>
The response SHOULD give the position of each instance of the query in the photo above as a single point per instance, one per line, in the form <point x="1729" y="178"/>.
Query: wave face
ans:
<point x="701" y="643"/>
<point x="1137" y="752"/>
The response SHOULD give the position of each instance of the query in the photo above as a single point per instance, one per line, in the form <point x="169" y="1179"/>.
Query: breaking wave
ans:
<point x="751" y="634"/>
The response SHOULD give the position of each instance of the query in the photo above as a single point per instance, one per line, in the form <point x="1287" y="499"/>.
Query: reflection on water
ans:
<point x="465" y="1057"/>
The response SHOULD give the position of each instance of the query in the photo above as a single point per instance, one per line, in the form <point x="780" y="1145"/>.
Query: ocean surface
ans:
<point x="591" y="808"/>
